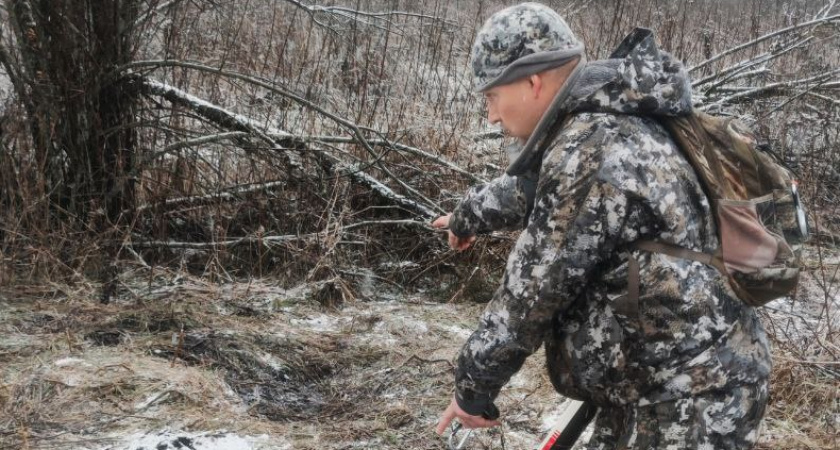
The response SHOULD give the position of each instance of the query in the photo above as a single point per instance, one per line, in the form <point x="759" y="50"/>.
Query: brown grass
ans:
<point x="408" y="80"/>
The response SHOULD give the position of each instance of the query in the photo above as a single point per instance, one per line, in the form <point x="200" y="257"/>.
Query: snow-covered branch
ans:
<point x="812" y="23"/>
<point x="346" y="15"/>
<point x="354" y="129"/>
<point x="232" y="121"/>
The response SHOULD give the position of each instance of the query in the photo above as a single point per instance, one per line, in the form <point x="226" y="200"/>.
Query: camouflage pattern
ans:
<point x="712" y="420"/>
<point x="689" y="368"/>
<point x="502" y="204"/>
<point x="512" y="35"/>
<point x="637" y="79"/>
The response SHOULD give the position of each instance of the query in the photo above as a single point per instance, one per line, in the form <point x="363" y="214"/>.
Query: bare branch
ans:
<point x="152" y="11"/>
<point x="277" y="239"/>
<point x="818" y="21"/>
<point x="753" y="92"/>
<point x="395" y="145"/>
<point x="353" y="15"/>
<point x="247" y="240"/>
<point x="354" y="173"/>
<point x="195" y="142"/>
<point x="823" y="97"/>
<point x="230" y="194"/>
<point x="727" y="74"/>
<point x="230" y="120"/>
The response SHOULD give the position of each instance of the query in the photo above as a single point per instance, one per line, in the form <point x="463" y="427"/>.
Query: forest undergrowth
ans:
<point x="276" y="163"/>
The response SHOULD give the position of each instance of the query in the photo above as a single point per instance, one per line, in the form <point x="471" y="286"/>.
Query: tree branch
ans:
<point x="348" y="14"/>
<point x="753" y="92"/>
<point x="743" y="46"/>
<point x="230" y="194"/>
<point x="352" y="127"/>
<point x="279" y="239"/>
<point x="726" y="74"/>
<point x="230" y="120"/>
<point x="395" y="145"/>
<point x="195" y="142"/>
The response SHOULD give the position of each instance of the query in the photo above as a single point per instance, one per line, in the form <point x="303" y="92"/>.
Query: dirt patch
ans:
<point x="280" y="378"/>
<point x="154" y="322"/>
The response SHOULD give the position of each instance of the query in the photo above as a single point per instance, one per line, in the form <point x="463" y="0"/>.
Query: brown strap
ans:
<point x="673" y="250"/>
<point x="628" y="305"/>
<point x="683" y="253"/>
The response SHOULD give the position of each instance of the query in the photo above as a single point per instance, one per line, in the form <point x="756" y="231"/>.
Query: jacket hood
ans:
<point x="637" y="78"/>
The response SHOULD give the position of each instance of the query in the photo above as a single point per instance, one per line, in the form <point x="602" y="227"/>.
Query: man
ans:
<point x="673" y="359"/>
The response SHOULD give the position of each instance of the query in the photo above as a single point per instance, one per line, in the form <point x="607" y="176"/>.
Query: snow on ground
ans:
<point x="180" y="440"/>
<point x="385" y="362"/>
<point x="385" y="368"/>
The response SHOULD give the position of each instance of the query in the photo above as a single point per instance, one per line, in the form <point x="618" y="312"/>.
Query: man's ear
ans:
<point x="536" y="83"/>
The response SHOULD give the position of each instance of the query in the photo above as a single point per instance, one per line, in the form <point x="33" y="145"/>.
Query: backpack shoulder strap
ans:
<point x="676" y="251"/>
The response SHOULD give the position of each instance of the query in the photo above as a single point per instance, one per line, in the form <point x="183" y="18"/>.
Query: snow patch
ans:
<point x="63" y="362"/>
<point x="321" y="323"/>
<point x="219" y="440"/>
<point x="458" y="331"/>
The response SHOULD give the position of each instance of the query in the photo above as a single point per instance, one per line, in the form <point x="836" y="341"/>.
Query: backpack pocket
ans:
<point x="759" y="262"/>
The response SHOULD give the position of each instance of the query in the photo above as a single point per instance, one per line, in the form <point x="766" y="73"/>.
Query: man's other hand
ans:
<point x="455" y="242"/>
<point x="454" y="411"/>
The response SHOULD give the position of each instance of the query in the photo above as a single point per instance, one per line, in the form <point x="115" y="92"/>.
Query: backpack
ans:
<point x="755" y="203"/>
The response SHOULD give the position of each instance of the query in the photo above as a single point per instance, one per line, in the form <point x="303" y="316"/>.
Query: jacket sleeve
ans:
<point x="575" y="225"/>
<point x="501" y="204"/>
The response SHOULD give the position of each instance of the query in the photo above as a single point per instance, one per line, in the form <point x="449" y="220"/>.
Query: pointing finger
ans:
<point x="445" y="420"/>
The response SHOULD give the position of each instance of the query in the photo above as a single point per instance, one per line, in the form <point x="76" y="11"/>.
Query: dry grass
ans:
<point x="256" y="358"/>
<point x="259" y="359"/>
<point x="804" y="411"/>
<point x="369" y="378"/>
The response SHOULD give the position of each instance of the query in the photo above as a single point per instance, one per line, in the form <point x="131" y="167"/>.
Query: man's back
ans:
<point x="678" y="338"/>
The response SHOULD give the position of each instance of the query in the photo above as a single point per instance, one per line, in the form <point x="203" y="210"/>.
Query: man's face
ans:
<point x="516" y="107"/>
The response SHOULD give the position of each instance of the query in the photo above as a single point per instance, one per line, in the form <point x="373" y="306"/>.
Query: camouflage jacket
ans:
<point x="610" y="175"/>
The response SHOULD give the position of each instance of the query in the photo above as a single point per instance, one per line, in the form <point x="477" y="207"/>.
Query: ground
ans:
<point x="175" y="362"/>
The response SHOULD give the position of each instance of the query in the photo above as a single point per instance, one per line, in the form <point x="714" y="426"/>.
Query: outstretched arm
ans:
<point x="502" y="204"/>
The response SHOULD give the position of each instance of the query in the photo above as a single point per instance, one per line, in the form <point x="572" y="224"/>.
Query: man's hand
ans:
<point x="455" y="242"/>
<point x="467" y="421"/>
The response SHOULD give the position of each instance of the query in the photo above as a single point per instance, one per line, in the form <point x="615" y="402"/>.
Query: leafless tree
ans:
<point x="60" y="54"/>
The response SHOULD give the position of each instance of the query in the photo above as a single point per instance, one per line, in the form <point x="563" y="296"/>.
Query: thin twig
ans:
<point x="762" y="39"/>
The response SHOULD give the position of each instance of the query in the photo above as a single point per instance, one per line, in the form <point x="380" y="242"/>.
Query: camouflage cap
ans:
<point x="520" y="41"/>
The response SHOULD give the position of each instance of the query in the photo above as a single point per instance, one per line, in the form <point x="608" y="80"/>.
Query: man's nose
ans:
<point x="493" y="116"/>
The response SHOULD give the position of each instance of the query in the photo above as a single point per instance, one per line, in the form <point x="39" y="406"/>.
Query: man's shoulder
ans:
<point x="622" y="125"/>
<point x="619" y="147"/>
<point x="607" y="133"/>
